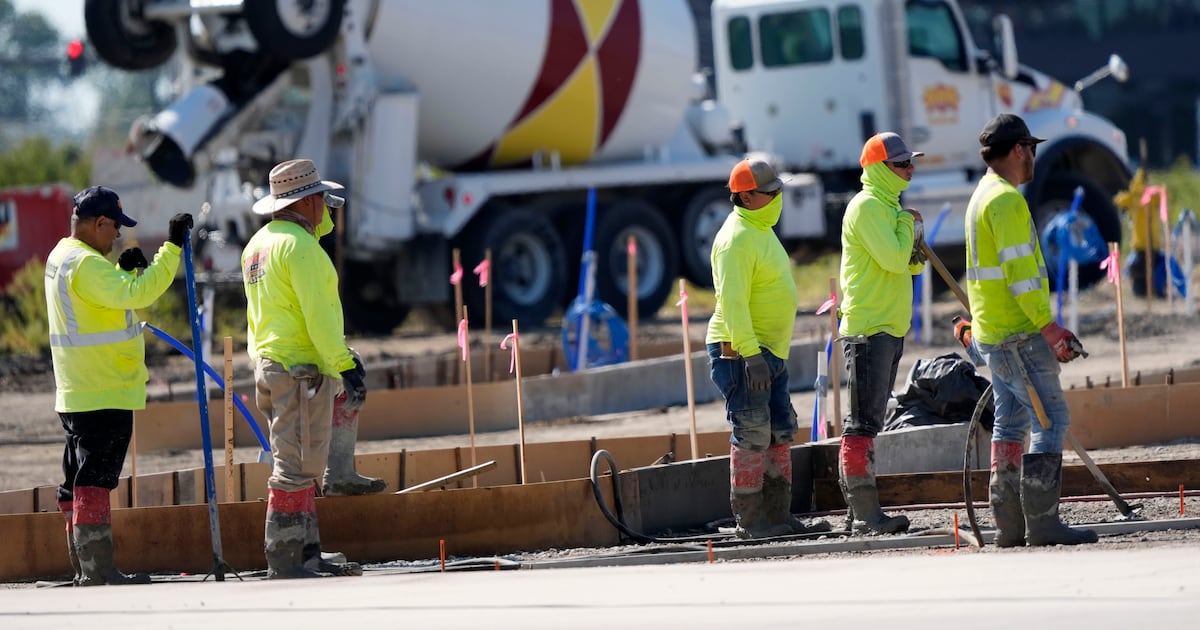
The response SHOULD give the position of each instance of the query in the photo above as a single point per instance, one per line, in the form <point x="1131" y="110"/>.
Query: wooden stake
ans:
<point x="1149" y="257"/>
<point x="456" y="279"/>
<point x="133" y="462"/>
<point x="687" y="367"/>
<point x="835" y="370"/>
<point x="632" y="308"/>
<point x="516" y="354"/>
<point x="1112" y="248"/>
<point x="466" y="355"/>
<point x="230" y="491"/>
<point x="487" y="319"/>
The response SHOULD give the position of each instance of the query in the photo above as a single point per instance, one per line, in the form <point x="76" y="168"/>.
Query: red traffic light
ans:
<point x="75" y="58"/>
<point x="74" y="49"/>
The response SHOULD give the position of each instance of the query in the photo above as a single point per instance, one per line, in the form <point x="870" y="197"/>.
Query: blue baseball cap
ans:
<point x="100" y="201"/>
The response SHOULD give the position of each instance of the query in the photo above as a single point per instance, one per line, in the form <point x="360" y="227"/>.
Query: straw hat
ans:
<point x="292" y="181"/>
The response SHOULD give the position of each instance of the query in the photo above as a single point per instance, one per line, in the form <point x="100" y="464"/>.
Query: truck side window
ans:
<point x="850" y="32"/>
<point x="795" y="37"/>
<point x="932" y="32"/>
<point x="741" y="48"/>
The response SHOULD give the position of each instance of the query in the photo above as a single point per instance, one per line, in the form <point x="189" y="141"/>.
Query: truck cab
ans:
<point x="811" y="80"/>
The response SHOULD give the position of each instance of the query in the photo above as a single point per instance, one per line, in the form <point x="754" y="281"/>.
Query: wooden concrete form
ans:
<point x="426" y="411"/>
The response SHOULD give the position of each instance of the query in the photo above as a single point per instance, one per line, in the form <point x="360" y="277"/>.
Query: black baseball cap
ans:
<point x="1006" y="129"/>
<point x="100" y="201"/>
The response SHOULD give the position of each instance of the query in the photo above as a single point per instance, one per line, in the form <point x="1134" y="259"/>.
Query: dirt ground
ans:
<point x="1156" y="339"/>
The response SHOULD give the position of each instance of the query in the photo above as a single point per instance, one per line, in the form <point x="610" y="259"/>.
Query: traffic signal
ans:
<point x="75" y="58"/>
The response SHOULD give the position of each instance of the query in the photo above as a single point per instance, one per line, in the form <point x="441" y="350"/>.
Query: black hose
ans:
<point x="972" y="430"/>
<point x="616" y="490"/>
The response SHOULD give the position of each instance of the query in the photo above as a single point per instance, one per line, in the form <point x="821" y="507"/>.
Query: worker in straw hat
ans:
<point x="748" y="339"/>
<point x="297" y="342"/>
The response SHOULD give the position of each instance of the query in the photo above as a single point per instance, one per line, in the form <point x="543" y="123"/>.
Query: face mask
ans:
<point x="326" y="224"/>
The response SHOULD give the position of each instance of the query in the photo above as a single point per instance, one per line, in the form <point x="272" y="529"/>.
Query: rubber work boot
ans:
<point x="91" y="533"/>
<point x="1041" y="486"/>
<point x="777" y="492"/>
<point x="1004" y="494"/>
<point x="340" y="477"/>
<point x="856" y="464"/>
<point x="286" y="533"/>
<point x="319" y="561"/>
<point x="67" y="509"/>
<point x="746" y="495"/>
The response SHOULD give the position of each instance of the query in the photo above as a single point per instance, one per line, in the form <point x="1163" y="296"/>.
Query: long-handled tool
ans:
<point x="1122" y="505"/>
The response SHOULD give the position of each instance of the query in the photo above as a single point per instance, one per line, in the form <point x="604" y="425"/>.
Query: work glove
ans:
<point x="918" y="256"/>
<point x="177" y="230"/>
<point x="1063" y="342"/>
<point x="962" y="331"/>
<point x="352" y="382"/>
<point x="758" y="375"/>
<point x="133" y="258"/>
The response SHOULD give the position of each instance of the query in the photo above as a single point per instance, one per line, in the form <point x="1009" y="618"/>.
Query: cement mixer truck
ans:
<point x="481" y="126"/>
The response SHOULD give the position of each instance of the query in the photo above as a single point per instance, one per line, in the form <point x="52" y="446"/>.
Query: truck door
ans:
<point x="794" y="74"/>
<point x="950" y="97"/>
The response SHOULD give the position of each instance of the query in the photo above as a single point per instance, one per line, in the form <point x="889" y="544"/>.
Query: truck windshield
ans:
<point x="932" y="33"/>
<point x="796" y="37"/>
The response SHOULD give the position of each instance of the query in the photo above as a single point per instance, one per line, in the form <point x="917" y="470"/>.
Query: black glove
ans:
<point x="133" y="258"/>
<point x="356" y="390"/>
<point x="758" y="375"/>
<point x="177" y="231"/>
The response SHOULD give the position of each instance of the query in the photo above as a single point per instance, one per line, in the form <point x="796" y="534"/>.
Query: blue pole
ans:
<point x="212" y="373"/>
<point x="210" y="482"/>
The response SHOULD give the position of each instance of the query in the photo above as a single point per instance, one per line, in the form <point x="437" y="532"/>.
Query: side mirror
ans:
<point x="1117" y="68"/>
<point x="1006" y="45"/>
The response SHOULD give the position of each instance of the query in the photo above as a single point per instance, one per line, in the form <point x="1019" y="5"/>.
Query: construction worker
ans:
<point x="1015" y="332"/>
<point x="99" y="359"/>
<point x="748" y="340"/>
<point x="296" y="340"/>
<point x="880" y="255"/>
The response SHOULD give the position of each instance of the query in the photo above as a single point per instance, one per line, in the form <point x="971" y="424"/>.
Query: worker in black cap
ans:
<point x="100" y="372"/>
<point x="1016" y="334"/>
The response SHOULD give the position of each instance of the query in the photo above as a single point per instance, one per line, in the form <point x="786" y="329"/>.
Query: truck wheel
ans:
<point x="125" y="40"/>
<point x="529" y="265"/>
<point x="702" y="218"/>
<point x="294" y="30"/>
<point x="1056" y="197"/>
<point x="657" y="256"/>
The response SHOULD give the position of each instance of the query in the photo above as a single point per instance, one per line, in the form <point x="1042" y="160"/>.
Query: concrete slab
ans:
<point x="1081" y="588"/>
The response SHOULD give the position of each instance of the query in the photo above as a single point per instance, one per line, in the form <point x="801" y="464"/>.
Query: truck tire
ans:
<point x="291" y="30"/>
<point x="657" y="255"/>
<point x="370" y="305"/>
<point x="703" y="217"/>
<point x="124" y="40"/>
<point x="1055" y="197"/>
<point x="529" y="265"/>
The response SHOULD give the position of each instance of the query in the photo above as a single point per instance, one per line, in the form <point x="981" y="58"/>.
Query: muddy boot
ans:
<point x="286" y="534"/>
<point x="67" y="508"/>
<point x="1004" y="494"/>
<point x="91" y="533"/>
<point x="777" y="492"/>
<point x="319" y="561"/>
<point x="340" y="477"/>
<point x="856" y="464"/>
<point x="1041" y="485"/>
<point x="746" y="495"/>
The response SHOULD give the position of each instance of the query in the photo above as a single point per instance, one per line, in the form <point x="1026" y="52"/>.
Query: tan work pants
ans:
<point x="278" y="395"/>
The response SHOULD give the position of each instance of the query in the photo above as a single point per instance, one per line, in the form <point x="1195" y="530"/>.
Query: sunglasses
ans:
<point x="904" y="164"/>
<point x="1032" y="147"/>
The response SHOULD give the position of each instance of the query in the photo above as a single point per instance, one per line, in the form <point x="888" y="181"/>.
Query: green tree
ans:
<point x="37" y="161"/>
<point x="30" y="51"/>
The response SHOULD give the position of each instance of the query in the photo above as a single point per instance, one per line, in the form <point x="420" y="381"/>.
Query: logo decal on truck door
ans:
<point x="941" y="104"/>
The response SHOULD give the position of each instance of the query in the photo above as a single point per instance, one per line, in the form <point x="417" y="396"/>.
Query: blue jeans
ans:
<point x="872" y="362"/>
<point x="1014" y="410"/>
<point x="758" y="419"/>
